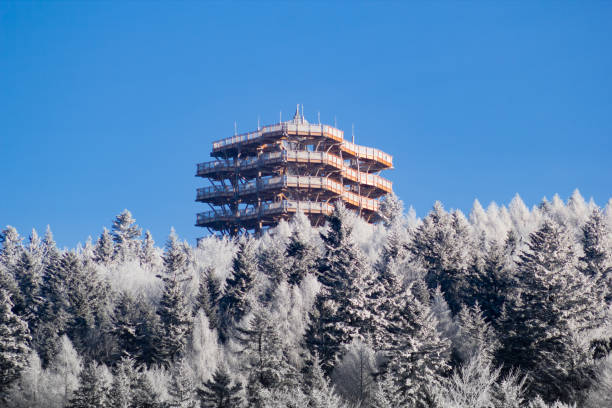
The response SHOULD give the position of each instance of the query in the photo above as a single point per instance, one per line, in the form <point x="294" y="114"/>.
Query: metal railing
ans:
<point x="265" y="209"/>
<point x="297" y="156"/>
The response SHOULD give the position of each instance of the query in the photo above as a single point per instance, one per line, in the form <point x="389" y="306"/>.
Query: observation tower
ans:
<point x="261" y="177"/>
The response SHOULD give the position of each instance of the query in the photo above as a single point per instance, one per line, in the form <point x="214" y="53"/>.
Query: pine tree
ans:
<point x="553" y="305"/>
<point x="221" y="391"/>
<point x="174" y="310"/>
<point x="236" y="301"/>
<point x="104" y="250"/>
<point x="14" y="340"/>
<point x="125" y="233"/>
<point x="92" y="390"/>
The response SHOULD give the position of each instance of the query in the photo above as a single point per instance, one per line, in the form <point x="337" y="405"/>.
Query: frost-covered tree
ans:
<point x="265" y="358"/>
<point x="417" y="356"/>
<point x="391" y="210"/>
<point x="208" y="297"/>
<point x="340" y="310"/>
<point x="144" y="395"/>
<point x="125" y="235"/>
<point x="174" y="309"/>
<point x="442" y="244"/>
<point x="597" y="259"/>
<point x="236" y="301"/>
<point x="354" y="373"/>
<point x="148" y="253"/>
<point x="64" y="371"/>
<point x="29" y="274"/>
<point x="11" y="249"/>
<point x="14" y="340"/>
<point x="301" y="254"/>
<point x="221" y="391"/>
<point x="554" y="304"/>
<point x="92" y="391"/>
<point x="475" y="336"/>
<point x="319" y="390"/>
<point x="104" y="249"/>
<point x="182" y="389"/>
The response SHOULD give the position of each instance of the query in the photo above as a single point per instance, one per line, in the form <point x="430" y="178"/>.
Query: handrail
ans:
<point x="363" y="152"/>
<point x="294" y="155"/>
<point x="264" y="209"/>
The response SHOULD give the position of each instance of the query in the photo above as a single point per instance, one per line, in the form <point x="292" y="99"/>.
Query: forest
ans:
<point x="506" y="307"/>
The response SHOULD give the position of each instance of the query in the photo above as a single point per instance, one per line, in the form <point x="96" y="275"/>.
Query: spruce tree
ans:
<point x="221" y="391"/>
<point x="553" y="305"/>
<point x="104" y="249"/>
<point x="597" y="259"/>
<point x="125" y="233"/>
<point x="301" y="256"/>
<point x="442" y="244"/>
<point x="144" y="395"/>
<point x="182" y="389"/>
<point x="417" y="356"/>
<point x="174" y="310"/>
<point x="340" y="310"/>
<point x="265" y="358"/>
<point x="11" y="249"/>
<point x="136" y="328"/>
<point x="208" y="298"/>
<point x="236" y="300"/>
<point x="92" y="391"/>
<point x="14" y="340"/>
<point x="121" y="391"/>
<point x="147" y="254"/>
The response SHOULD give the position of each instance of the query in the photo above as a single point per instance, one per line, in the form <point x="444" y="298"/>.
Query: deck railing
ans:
<point x="298" y="156"/>
<point x="265" y="209"/>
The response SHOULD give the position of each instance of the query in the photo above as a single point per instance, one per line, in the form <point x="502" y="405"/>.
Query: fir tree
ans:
<point x="125" y="233"/>
<point x="301" y="256"/>
<point x="182" y="388"/>
<point x="104" y="249"/>
<point x="92" y="390"/>
<point x="120" y="394"/>
<point x="391" y="210"/>
<point x="236" y="301"/>
<point x="442" y="244"/>
<point x="14" y="340"/>
<point x="147" y="253"/>
<point x="417" y="355"/>
<point x="221" y="391"/>
<point x="143" y="393"/>
<point x="340" y="309"/>
<point x="597" y="259"/>
<point x="265" y="358"/>
<point x="475" y="336"/>
<point x="208" y="298"/>
<point x="554" y="304"/>
<point x="11" y="249"/>
<point x="174" y="310"/>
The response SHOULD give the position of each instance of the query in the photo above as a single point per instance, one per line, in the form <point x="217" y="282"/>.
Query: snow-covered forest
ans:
<point x="505" y="307"/>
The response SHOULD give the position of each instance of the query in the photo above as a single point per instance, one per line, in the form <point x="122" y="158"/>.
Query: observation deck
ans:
<point x="261" y="177"/>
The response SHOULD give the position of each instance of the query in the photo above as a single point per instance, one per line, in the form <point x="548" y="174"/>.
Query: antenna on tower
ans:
<point x="302" y="113"/>
<point x="257" y="122"/>
<point x="280" y="117"/>
<point x="235" y="128"/>
<point x="353" y="132"/>
<point x="319" y="117"/>
<point x="335" y="124"/>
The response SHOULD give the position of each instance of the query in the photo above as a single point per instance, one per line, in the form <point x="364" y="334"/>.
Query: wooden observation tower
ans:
<point x="261" y="177"/>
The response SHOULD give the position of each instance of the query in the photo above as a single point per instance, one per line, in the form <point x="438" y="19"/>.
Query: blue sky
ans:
<point x="110" y="105"/>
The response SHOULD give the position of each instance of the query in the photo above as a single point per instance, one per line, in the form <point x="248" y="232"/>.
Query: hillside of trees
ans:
<point x="507" y="307"/>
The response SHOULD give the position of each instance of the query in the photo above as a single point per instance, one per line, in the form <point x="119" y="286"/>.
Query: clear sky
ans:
<point x="110" y="105"/>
